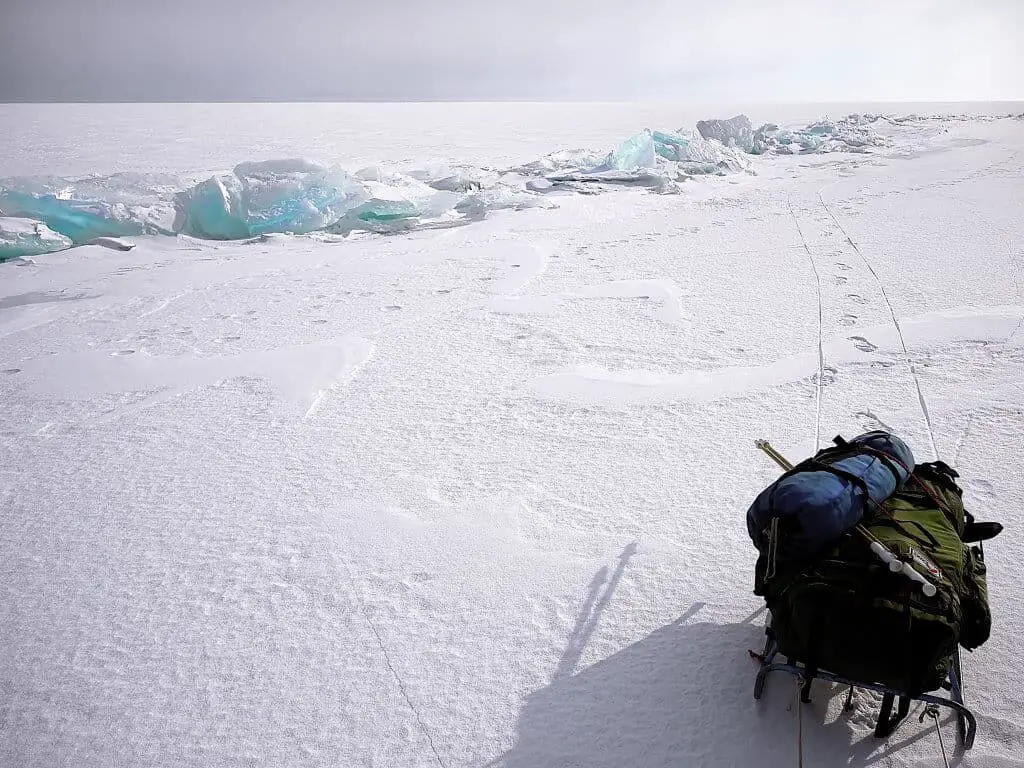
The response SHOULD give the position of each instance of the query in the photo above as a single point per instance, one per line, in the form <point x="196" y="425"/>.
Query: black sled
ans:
<point x="887" y="722"/>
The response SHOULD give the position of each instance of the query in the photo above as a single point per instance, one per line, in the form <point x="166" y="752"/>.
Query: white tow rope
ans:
<point x="800" y="724"/>
<point x="932" y="711"/>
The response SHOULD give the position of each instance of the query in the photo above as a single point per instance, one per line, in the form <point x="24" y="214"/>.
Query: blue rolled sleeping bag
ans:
<point x="822" y="498"/>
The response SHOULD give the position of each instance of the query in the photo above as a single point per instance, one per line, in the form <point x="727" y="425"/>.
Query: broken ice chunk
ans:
<point x="734" y="132"/>
<point x="389" y="196"/>
<point x="141" y="202"/>
<point x="295" y="196"/>
<point x="850" y="134"/>
<point x="539" y="185"/>
<point x="79" y="220"/>
<point x="635" y="152"/>
<point x="705" y="156"/>
<point x="566" y="160"/>
<point x="458" y="178"/>
<point x="498" y="198"/>
<point x="27" y="237"/>
<point x="668" y="145"/>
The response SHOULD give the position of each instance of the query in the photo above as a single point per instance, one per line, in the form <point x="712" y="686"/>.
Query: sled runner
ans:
<point x="887" y="722"/>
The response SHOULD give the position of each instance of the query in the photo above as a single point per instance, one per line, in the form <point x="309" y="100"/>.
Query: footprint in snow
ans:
<point x="391" y="308"/>
<point x="870" y="421"/>
<point x="843" y="266"/>
<point x="122" y="353"/>
<point x="857" y="298"/>
<point x="840" y="280"/>
<point x="983" y="490"/>
<point x="444" y="290"/>
<point x="11" y="371"/>
<point x="862" y="344"/>
<point x="848" y="320"/>
<point x="826" y="376"/>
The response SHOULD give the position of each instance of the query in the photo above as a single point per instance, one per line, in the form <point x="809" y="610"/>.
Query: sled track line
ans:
<point x="899" y="331"/>
<point x="391" y="667"/>
<point x="821" y="349"/>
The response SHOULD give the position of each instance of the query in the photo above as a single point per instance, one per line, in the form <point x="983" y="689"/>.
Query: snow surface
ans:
<point x="476" y="496"/>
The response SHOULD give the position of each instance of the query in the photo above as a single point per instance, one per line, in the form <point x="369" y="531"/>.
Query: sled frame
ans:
<point x="887" y="722"/>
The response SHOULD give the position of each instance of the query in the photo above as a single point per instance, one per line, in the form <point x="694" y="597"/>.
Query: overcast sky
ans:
<point x="707" y="51"/>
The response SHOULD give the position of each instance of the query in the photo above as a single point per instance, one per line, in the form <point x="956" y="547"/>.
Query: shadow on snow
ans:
<point x="682" y="696"/>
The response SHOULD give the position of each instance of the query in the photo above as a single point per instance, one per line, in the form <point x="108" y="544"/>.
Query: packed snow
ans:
<point x="441" y="456"/>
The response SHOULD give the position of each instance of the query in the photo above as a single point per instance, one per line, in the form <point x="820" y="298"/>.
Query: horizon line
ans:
<point x="518" y="100"/>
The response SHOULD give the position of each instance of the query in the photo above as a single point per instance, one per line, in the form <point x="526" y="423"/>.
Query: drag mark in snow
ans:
<point x="388" y="663"/>
<point x="401" y="687"/>
<point x="819" y="381"/>
<point x="892" y="313"/>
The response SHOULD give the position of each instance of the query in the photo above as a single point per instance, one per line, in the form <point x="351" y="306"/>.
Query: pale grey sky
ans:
<point x="678" y="50"/>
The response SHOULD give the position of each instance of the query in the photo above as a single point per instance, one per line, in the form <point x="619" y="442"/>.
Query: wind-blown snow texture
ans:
<point x="475" y="497"/>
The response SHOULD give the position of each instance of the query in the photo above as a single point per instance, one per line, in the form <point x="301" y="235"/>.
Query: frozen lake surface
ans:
<point x="475" y="496"/>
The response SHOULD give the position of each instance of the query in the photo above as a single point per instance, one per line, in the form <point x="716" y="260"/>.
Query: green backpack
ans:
<point x="847" y="613"/>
